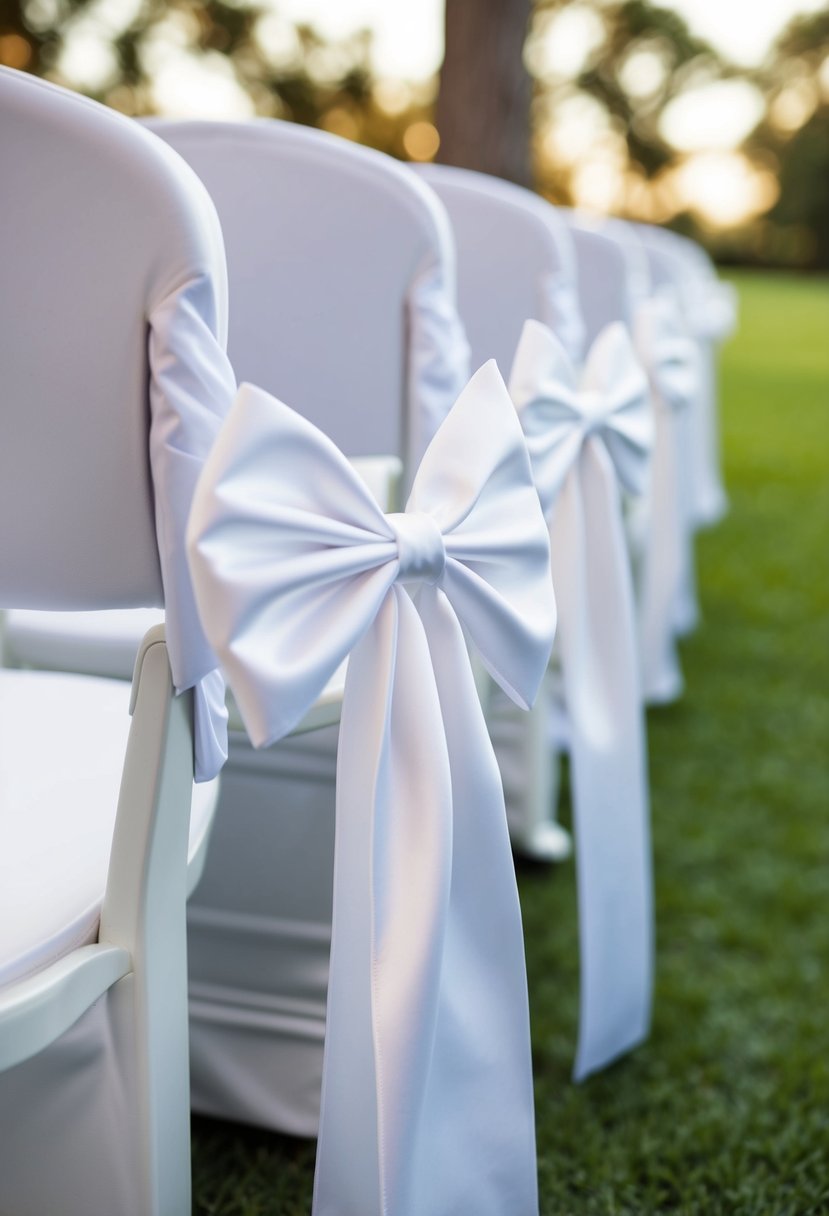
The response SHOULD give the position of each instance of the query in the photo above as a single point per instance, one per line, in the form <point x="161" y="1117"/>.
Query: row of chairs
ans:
<point x="361" y="292"/>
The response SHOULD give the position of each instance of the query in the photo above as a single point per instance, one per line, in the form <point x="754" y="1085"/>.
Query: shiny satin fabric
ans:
<point x="191" y="388"/>
<point x="588" y="439"/>
<point x="427" y="1087"/>
<point x="667" y="578"/>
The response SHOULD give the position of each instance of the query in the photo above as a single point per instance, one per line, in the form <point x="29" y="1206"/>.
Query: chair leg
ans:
<point x="144" y="910"/>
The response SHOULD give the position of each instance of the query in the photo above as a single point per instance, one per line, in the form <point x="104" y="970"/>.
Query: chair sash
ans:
<point x="427" y="1088"/>
<point x="561" y="311"/>
<point x="191" y="389"/>
<point x="586" y="441"/>
<point x="668" y="586"/>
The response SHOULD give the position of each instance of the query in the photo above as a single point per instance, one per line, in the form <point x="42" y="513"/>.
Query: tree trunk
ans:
<point x="483" y="109"/>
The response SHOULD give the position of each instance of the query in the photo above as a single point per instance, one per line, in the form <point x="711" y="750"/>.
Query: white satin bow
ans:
<point x="586" y="440"/>
<point x="427" y="1090"/>
<point x="668" y="602"/>
<point x="609" y="402"/>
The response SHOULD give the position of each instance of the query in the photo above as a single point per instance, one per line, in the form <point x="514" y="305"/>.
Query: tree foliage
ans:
<point x="300" y="76"/>
<point x="794" y="136"/>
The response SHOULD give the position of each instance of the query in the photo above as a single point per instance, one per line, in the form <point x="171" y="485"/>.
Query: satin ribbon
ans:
<point x="438" y="353"/>
<point x="588" y="440"/>
<point x="667" y="602"/>
<point x="191" y="389"/>
<point x="427" y="1103"/>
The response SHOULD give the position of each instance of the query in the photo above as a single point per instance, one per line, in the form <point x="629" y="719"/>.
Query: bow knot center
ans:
<point x="420" y="547"/>
<point x="594" y="411"/>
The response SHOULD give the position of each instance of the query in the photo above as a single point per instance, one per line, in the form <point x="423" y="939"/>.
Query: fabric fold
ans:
<point x="427" y="1089"/>
<point x="438" y="353"/>
<point x="191" y="390"/>
<point x="588" y="437"/>
<point x="561" y="311"/>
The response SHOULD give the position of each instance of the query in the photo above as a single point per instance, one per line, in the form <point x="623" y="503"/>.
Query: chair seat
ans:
<point x="62" y="751"/>
<point x="101" y="643"/>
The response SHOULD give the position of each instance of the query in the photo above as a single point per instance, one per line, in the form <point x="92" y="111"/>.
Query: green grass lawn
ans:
<point x="726" y="1108"/>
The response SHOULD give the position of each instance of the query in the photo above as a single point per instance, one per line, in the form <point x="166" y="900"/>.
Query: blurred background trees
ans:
<point x="592" y="101"/>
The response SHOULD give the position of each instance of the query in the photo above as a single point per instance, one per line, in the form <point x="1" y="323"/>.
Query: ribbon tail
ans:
<point x="479" y="1115"/>
<point x="662" y="568"/>
<point x="608" y="763"/>
<point x="391" y="890"/>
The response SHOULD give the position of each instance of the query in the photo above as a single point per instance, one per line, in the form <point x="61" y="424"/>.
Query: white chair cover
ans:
<point x="338" y="248"/>
<point x="328" y="242"/>
<point x="508" y="236"/>
<point x="667" y="584"/>
<point x="516" y="260"/>
<point x="589" y="437"/>
<point x="427" y="1092"/>
<point x="709" y="312"/>
<point x="609" y="273"/>
<point x="186" y="317"/>
<point x="113" y="305"/>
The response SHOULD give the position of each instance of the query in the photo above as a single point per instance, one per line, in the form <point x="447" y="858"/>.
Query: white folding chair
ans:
<point x="331" y="248"/>
<point x="516" y="260"/>
<point x="338" y="248"/>
<point x="504" y="251"/>
<point x="659" y="527"/>
<point x="112" y="323"/>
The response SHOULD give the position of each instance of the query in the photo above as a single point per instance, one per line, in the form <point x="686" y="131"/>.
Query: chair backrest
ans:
<point x="342" y="285"/>
<point x="102" y="223"/>
<point x="606" y="290"/>
<point x="690" y="254"/>
<point x="515" y="261"/>
<point x="640" y="283"/>
<point x="669" y="266"/>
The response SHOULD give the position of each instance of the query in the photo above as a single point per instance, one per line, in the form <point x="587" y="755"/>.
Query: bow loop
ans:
<point x="482" y="495"/>
<point x="282" y="523"/>
<point x="559" y="413"/>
